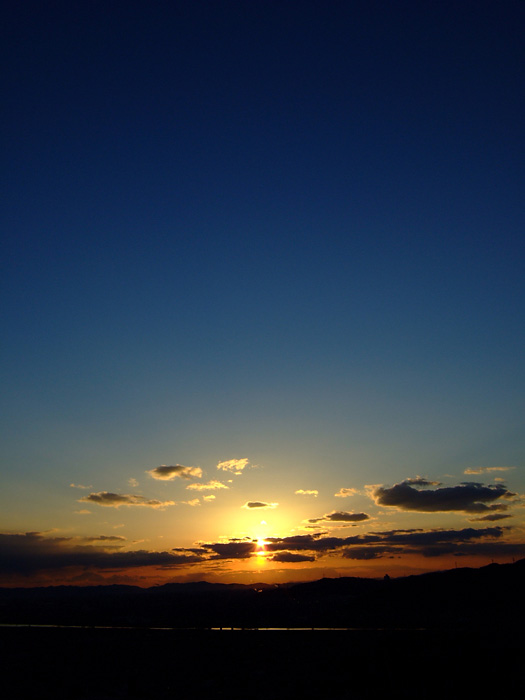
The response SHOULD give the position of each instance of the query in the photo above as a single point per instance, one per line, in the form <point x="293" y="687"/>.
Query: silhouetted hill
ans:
<point x="462" y="598"/>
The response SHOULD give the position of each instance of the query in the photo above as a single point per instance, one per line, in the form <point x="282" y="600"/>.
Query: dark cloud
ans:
<point x="470" y="497"/>
<point x="33" y="551"/>
<point x="165" y="473"/>
<point x="491" y="517"/>
<point x="434" y="542"/>
<point x="367" y="553"/>
<point x="259" y="504"/>
<point x="234" y="549"/>
<point x="291" y="558"/>
<point x="425" y="537"/>
<point x="116" y="500"/>
<point x="341" y="516"/>
<point x="312" y="543"/>
<point x="106" y="538"/>
<point x="192" y="550"/>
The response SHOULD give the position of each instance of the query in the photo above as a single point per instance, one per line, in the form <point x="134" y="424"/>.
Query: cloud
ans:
<point x="345" y="492"/>
<point x="467" y="498"/>
<point x="212" y="485"/>
<point x="210" y="497"/>
<point x="491" y="517"/>
<point x="307" y="492"/>
<point x="291" y="558"/>
<point x="165" y="473"/>
<point x="32" y="552"/>
<point x="82" y="512"/>
<point x="311" y="543"/>
<point x="133" y="482"/>
<point x="194" y="502"/>
<point x="367" y="553"/>
<point x="234" y="549"/>
<point x="486" y="470"/>
<point x="421" y="481"/>
<point x="235" y="466"/>
<point x="340" y="516"/>
<point x="428" y="543"/>
<point x="116" y="500"/>
<point x="259" y="504"/>
<point x="79" y="486"/>
<point x="36" y="551"/>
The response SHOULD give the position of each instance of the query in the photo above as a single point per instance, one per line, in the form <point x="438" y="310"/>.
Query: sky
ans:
<point x="262" y="289"/>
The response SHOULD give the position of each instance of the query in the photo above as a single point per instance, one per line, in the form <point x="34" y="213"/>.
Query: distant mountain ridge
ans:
<point x="456" y="598"/>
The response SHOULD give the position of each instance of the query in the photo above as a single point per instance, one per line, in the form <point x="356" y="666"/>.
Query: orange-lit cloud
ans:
<point x="236" y="466"/>
<point x="194" y="502"/>
<point x="212" y="485"/>
<point x="165" y="473"/>
<point x="345" y="492"/>
<point x="486" y="470"/>
<point x="307" y="492"/>
<point x="79" y="486"/>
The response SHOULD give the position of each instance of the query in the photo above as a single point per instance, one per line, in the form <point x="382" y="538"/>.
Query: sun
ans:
<point x="260" y="550"/>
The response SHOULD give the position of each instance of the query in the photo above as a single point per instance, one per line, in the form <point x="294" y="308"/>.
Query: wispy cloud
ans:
<point x="79" y="486"/>
<point x="212" y="485"/>
<point x="259" y="504"/>
<point x="133" y="482"/>
<point x="209" y="497"/>
<point x="421" y="481"/>
<point x="166" y="473"/>
<point x="307" y="492"/>
<point x="116" y="500"/>
<point x="345" y="492"/>
<point x="487" y="470"/>
<point x="236" y="466"/>
<point x="194" y="502"/>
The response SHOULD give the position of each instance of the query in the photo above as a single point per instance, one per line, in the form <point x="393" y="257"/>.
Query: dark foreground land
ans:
<point x="67" y="664"/>
<point x="451" y="633"/>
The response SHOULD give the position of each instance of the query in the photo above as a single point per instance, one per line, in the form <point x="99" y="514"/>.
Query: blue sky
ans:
<point x="287" y="231"/>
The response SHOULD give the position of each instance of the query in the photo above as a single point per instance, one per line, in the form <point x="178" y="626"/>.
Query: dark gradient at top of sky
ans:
<point x="265" y="229"/>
